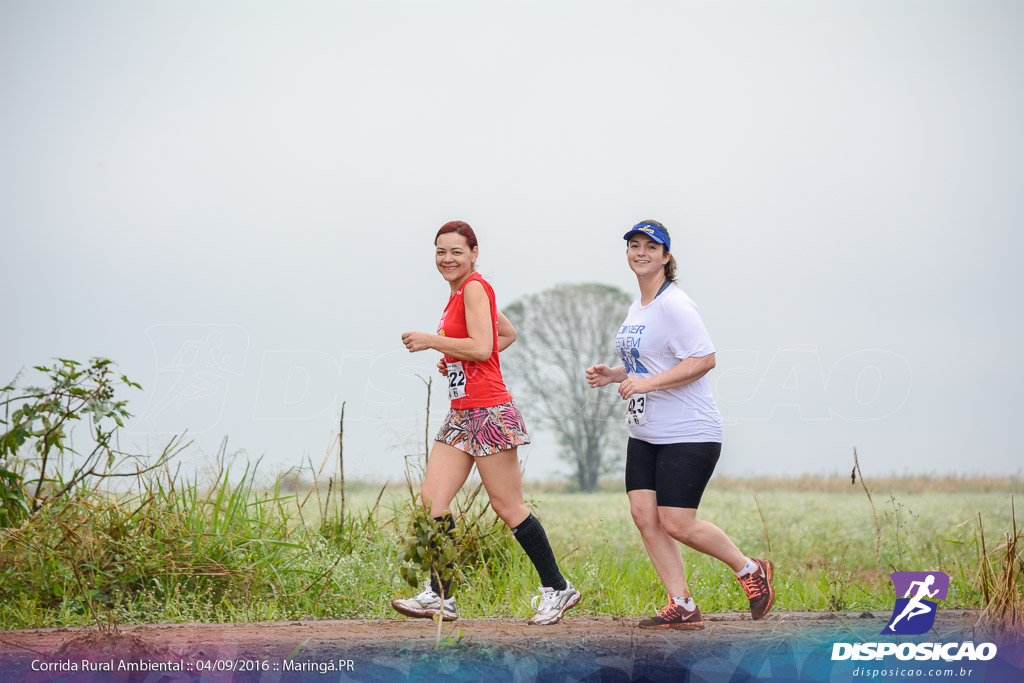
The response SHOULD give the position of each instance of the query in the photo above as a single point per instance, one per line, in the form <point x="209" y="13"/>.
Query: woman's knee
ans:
<point x="645" y="518"/>
<point x="510" y="512"/>
<point x="434" y="500"/>
<point x="680" y="528"/>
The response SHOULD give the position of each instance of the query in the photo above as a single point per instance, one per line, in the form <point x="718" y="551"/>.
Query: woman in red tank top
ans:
<point x="484" y="427"/>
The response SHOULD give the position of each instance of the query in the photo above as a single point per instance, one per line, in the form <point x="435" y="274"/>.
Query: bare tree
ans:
<point x="561" y="332"/>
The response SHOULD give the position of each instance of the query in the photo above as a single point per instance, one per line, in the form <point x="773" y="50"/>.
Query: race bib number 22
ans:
<point x="456" y="380"/>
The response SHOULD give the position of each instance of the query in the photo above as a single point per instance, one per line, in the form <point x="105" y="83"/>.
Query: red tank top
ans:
<point x="484" y="386"/>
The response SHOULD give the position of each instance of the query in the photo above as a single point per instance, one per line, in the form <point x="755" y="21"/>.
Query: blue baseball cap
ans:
<point x="655" y="232"/>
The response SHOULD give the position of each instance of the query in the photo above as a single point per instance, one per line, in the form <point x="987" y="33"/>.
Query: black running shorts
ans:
<point x="677" y="472"/>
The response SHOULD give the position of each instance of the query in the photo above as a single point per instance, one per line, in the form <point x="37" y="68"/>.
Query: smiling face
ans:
<point x="646" y="257"/>
<point x="454" y="258"/>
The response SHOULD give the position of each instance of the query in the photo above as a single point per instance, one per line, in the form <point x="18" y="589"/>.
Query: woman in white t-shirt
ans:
<point x="675" y="430"/>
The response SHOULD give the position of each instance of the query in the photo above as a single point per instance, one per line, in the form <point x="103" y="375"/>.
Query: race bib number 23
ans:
<point x="456" y="380"/>
<point x="636" y="410"/>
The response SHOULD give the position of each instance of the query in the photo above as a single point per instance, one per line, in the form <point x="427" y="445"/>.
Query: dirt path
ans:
<point x="473" y="649"/>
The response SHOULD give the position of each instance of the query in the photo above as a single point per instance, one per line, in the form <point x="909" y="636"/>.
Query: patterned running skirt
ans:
<point x="484" y="431"/>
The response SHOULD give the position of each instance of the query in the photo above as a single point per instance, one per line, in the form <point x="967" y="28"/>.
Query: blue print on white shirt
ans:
<point x="627" y="345"/>
<point x="633" y="364"/>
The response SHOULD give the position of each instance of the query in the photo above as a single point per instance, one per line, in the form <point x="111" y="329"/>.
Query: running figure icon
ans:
<point x="916" y="607"/>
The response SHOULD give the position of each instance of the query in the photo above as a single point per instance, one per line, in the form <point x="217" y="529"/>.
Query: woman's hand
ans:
<point x="442" y="367"/>
<point x="602" y="375"/>
<point x="636" y="385"/>
<point x="416" y="341"/>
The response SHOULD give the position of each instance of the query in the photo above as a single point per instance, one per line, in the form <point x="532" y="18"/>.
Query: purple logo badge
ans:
<point x="915" y="608"/>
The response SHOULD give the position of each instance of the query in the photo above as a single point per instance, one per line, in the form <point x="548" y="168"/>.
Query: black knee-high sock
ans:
<point x="446" y="522"/>
<point x="530" y="534"/>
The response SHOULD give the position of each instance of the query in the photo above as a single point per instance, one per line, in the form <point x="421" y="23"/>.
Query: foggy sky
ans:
<point x="237" y="204"/>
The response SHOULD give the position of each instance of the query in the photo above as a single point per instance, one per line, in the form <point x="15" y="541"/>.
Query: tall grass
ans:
<point x="1001" y="573"/>
<point x="226" y="550"/>
<point x="184" y="551"/>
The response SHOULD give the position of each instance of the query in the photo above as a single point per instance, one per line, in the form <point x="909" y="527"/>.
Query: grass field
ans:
<point x="219" y="552"/>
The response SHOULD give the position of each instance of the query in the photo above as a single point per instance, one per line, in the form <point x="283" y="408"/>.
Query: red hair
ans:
<point x="461" y="228"/>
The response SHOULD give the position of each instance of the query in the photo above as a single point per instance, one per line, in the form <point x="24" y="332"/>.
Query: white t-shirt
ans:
<point x="655" y="338"/>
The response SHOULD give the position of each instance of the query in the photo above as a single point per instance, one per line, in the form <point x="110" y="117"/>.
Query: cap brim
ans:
<point x="645" y="234"/>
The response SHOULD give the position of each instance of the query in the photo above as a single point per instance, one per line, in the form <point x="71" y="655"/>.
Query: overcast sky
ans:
<point x="236" y="202"/>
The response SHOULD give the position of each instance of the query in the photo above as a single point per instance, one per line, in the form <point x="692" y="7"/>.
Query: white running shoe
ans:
<point x="553" y="604"/>
<point x="427" y="605"/>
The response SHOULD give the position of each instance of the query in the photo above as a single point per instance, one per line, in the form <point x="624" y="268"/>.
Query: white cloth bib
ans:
<point x="636" y="410"/>
<point x="456" y="380"/>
